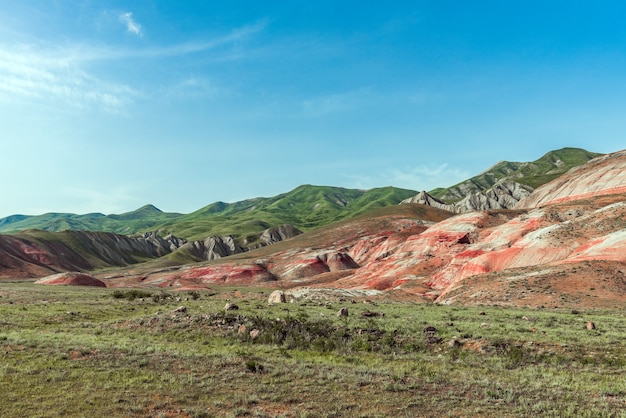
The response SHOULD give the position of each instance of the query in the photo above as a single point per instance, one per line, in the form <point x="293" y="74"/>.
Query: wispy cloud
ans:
<point x="194" y="87"/>
<point x="30" y="73"/>
<point x="61" y="74"/>
<point x="336" y="102"/>
<point x="421" y="177"/>
<point x="131" y="25"/>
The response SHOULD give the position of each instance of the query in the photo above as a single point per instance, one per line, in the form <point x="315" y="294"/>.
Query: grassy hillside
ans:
<point x="305" y="207"/>
<point x="532" y="174"/>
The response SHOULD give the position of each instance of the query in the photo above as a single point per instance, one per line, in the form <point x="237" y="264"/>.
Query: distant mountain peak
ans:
<point x="149" y="208"/>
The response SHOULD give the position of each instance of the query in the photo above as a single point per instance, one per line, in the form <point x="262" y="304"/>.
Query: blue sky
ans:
<point x="109" y="105"/>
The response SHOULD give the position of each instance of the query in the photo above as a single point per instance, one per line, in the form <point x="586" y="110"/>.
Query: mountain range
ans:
<point x="560" y="245"/>
<point x="308" y="207"/>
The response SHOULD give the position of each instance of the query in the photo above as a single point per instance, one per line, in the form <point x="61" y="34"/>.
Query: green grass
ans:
<point x="77" y="352"/>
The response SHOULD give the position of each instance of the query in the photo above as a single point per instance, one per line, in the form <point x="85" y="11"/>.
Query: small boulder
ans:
<point x="241" y="330"/>
<point x="180" y="309"/>
<point x="231" y="307"/>
<point x="277" y="296"/>
<point x="370" y="314"/>
<point x="431" y="339"/>
<point x="454" y="343"/>
<point x="255" y="333"/>
<point x="591" y="325"/>
<point x="429" y="330"/>
<point x="343" y="312"/>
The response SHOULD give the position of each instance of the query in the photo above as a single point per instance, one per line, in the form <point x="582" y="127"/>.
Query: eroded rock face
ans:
<point x="37" y="253"/>
<point x="71" y="279"/>
<point x="163" y="245"/>
<point x="504" y="195"/>
<point x="279" y="233"/>
<point x="501" y="196"/>
<point x="213" y="248"/>
<point x="423" y="198"/>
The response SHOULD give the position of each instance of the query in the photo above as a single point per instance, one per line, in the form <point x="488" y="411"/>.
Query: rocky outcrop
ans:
<point x="163" y="245"/>
<point x="504" y="195"/>
<point x="279" y="233"/>
<point x="213" y="248"/>
<point x="423" y="198"/>
<point x="71" y="279"/>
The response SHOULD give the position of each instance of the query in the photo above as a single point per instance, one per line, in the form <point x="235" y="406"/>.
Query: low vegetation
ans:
<point x="71" y="351"/>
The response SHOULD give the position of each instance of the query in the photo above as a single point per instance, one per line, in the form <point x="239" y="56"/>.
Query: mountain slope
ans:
<point x="38" y="253"/>
<point x="305" y="207"/>
<point x="533" y="174"/>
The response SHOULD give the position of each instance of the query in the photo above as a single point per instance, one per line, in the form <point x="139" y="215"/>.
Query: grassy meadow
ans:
<point x="72" y="351"/>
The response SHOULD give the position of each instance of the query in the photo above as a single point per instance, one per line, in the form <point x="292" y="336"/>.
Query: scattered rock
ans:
<point x="231" y="307"/>
<point x="432" y="339"/>
<point x="591" y="325"/>
<point x="482" y="313"/>
<point x="454" y="343"/>
<point x="242" y="329"/>
<point x="254" y="333"/>
<point x="369" y="314"/>
<point x="180" y="309"/>
<point x="277" y="296"/>
<point x="343" y="312"/>
<point x="484" y="325"/>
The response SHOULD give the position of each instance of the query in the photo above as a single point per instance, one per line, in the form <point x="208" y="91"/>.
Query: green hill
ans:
<point x="305" y="207"/>
<point x="532" y="174"/>
<point x="143" y="219"/>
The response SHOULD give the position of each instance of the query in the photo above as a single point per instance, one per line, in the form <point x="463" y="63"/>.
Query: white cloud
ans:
<point x="131" y="25"/>
<point x="423" y="177"/>
<point x="53" y="74"/>
<point x="334" y="103"/>
<point x="40" y="74"/>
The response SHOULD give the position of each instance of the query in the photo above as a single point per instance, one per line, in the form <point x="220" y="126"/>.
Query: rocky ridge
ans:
<point x="503" y="195"/>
